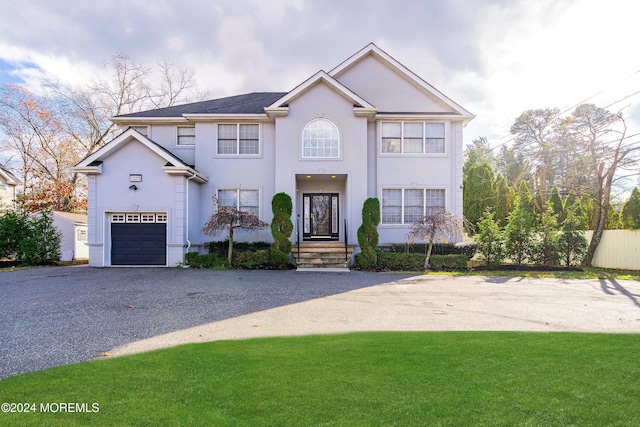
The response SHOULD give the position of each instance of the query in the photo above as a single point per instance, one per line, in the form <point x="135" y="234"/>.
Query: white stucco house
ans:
<point x="8" y="184"/>
<point x="369" y="127"/>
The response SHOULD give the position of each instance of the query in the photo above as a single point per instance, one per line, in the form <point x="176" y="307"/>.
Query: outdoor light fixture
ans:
<point x="133" y="187"/>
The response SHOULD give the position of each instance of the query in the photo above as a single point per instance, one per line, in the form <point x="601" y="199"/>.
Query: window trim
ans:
<point x="302" y="146"/>
<point x="178" y="144"/>
<point x="424" y="153"/>
<point x="237" y="190"/>
<point x="402" y="222"/>
<point x="237" y="154"/>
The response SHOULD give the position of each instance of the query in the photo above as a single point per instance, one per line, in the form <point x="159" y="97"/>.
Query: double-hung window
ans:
<point x="410" y="205"/>
<point x="186" y="135"/>
<point x="238" y="139"/>
<point x="240" y="199"/>
<point x="413" y="138"/>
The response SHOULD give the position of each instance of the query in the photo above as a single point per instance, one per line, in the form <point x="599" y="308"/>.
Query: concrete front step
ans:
<point x="322" y="255"/>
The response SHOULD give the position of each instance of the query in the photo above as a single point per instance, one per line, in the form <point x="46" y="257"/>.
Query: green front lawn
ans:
<point x="361" y="379"/>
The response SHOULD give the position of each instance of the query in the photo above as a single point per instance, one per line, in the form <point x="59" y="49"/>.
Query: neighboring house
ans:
<point x="370" y="127"/>
<point x="8" y="184"/>
<point x="74" y="233"/>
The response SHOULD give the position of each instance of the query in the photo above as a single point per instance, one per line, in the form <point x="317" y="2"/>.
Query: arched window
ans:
<point x="320" y="139"/>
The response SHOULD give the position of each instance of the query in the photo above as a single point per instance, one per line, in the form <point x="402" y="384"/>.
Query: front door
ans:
<point x="320" y="218"/>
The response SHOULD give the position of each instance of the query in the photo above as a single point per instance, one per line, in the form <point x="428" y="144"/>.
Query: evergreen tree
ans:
<point x="572" y="243"/>
<point x="478" y="152"/>
<point x="504" y="196"/>
<point x="526" y="202"/>
<point x="281" y="229"/>
<point x="546" y="247"/>
<point x="614" y="219"/>
<point x="631" y="211"/>
<point x="478" y="193"/>
<point x="518" y="234"/>
<point x="368" y="234"/>
<point x="490" y="240"/>
<point x="556" y="204"/>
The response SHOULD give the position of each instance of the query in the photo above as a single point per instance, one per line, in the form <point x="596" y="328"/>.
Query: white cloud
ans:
<point x="496" y="58"/>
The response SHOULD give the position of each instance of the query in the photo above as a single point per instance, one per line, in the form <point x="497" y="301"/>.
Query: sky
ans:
<point x="496" y="58"/>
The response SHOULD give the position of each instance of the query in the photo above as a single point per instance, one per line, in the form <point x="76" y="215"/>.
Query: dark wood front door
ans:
<point x="320" y="216"/>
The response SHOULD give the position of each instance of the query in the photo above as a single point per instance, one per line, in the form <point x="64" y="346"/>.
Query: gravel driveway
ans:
<point x="58" y="315"/>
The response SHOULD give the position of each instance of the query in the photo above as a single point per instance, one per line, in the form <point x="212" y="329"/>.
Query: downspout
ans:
<point x="187" y="215"/>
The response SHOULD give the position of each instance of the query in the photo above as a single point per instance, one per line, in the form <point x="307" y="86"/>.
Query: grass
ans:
<point x="361" y="379"/>
<point x="583" y="273"/>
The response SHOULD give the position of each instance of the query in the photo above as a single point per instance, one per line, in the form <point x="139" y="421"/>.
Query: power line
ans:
<point x="567" y="109"/>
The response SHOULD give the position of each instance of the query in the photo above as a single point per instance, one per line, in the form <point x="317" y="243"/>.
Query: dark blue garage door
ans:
<point x="138" y="244"/>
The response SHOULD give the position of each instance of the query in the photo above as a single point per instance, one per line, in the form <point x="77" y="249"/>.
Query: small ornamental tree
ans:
<point x="281" y="229"/>
<point x="368" y="233"/>
<point x="229" y="218"/>
<point x="438" y="222"/>
<point x="518" y="239"/>
<point x="490" y="240"/>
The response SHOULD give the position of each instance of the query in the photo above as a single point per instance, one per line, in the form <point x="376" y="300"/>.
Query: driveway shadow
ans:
<point x="58" y="315"/>
<point x="613" y="287"/>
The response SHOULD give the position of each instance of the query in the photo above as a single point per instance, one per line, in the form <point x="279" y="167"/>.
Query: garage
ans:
<point x="138" y="238"/>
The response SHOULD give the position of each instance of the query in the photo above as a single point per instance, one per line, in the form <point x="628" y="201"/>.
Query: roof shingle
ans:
<point x="250" y="103"/>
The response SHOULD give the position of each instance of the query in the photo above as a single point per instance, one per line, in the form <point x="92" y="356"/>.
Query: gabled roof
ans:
<point x="9" y="177"/>
<point x="175" y="166"/>
<point x="372" y="49"/>
<point x="250" y="103"/>
<point x="360" y="105"/>
<point x="79" y="219"/>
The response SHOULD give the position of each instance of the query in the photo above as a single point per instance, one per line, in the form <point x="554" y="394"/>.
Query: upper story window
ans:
<point x="142" y="129"/>
<point x="413" y="137"/>
<point x="186" y="135"/>
<point x="320" y="139"/>
<point x="238" y="139"/>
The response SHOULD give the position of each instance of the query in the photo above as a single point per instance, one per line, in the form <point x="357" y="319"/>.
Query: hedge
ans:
<point x="469" y="249"/>
<point x="221" y="247"/>
<point x="405" y="261"/>
<point x="196" y="260"/>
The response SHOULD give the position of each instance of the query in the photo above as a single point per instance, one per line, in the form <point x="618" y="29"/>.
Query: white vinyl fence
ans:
<point x="618" y="249"/>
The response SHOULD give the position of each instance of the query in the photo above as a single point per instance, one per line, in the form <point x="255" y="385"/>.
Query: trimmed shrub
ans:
<point x="449" y="262"/>
<point x="220" y="247"/>
<point x="368" y="234"/>
<point x="281" y="229"/>
<point x="415" y="261"/>
<point x="463" y="248"/>
<point x="251" y="260"/>
<point x="196" y="260"/>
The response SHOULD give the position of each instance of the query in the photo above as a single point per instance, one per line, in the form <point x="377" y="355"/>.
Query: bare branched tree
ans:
<point x="51" y="132"/>
<point x="227" y="218"/>
<point x="603" y="135"/>
<point x="437" y="223"/>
